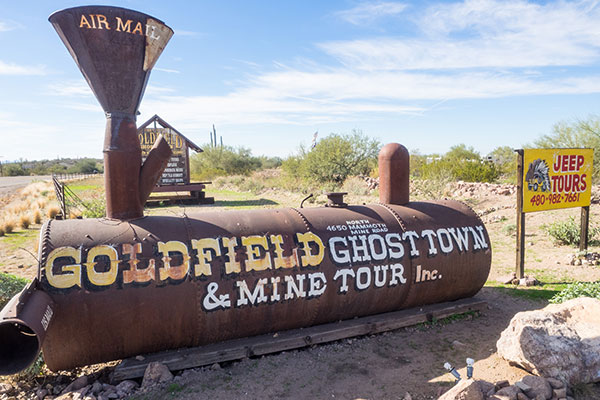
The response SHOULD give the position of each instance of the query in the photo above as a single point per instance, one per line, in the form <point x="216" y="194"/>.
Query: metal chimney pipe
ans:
<point x="394" y="173"/>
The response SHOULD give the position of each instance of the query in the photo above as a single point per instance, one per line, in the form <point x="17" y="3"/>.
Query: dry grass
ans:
<point x="52" y="211"/>
<point x="37" y="217"/>
<point x="24" y="221"/>
<point x="74" y="214"/>
<point x="41" y="203"/>
<point x="8" y="226"/>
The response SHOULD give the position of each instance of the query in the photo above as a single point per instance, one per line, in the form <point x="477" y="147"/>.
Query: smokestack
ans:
<point x="394" y="173"/>
<point x="115" y="49"/>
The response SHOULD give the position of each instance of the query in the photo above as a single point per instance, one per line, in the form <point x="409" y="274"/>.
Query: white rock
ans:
<point x="466" y="389"/>
<point x="560" y="341"/>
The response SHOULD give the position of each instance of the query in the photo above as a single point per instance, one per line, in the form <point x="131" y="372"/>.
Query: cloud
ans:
<point x="366" y="13"/>
<point x="170" y="71"/>
<point x="484" y="33"/>
<point x="182" y="32"/>
<point x="15" y="69"/>
<point x="6" y="26"/>
<point x="75" y="88"/>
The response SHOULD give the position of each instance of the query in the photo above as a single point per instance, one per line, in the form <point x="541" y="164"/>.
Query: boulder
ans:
<point x="559" y="341"/>
<point x="156" y="373"/>
<point x="466" y="389"/>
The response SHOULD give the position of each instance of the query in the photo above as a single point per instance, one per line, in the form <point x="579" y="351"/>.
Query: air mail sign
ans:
<point x="557" y="178"/>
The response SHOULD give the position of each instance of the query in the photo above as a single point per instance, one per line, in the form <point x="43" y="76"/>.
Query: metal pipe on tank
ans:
<point x="394" y="174"/>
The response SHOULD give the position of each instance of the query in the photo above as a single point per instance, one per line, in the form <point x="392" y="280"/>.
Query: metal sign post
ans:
<point x="520" y="218"/>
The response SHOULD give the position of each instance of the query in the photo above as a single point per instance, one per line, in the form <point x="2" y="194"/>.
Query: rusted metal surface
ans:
<point x="128" y="284"/>
<point x="23" y="325"/>
<point x="164" y="282"/>
<point x="115" y="49"/>
<point x="394" y="174"/>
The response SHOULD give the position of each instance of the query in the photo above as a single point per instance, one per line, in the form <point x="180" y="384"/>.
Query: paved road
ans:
<point x="9" y="184"/>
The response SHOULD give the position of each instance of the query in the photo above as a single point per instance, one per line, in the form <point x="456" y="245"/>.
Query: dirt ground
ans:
<point x="388" y="365"/>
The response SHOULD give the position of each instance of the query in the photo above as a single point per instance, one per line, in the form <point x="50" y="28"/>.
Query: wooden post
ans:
<point x="585" y="222"/>
<point x="520" y="264"/>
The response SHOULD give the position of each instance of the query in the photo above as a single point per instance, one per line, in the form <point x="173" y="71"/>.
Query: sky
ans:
<point x="268" y="74"/>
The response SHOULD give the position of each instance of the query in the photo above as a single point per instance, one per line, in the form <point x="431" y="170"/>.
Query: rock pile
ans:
<point x="531" y="387"/>
<point x="528" y="280"/>
<point x="591" y="258"/>
<point x="470" y="189"/>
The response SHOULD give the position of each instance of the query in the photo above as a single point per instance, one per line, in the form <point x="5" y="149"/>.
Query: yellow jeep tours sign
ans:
<point x="556" y="178"/>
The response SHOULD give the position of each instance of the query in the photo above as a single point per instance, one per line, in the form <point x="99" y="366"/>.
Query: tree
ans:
<point x="335" y="157"/>
<point x="505" y="159"/>
<point x="223" y="160"/>
<point x="580" y="133"/>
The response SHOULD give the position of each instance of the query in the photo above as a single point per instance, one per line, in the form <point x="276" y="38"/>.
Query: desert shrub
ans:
<point x="13" y="170"/>
<point x="52" y="211"/>
<point x="568" y="231"/>
<point x="37" y="217"/>
<point x="24" y="221"/>
<point x="335" y="158"/>
<point x="355" y="185"/>
<point x="577" y="289"/>
<point x="8" y="226"/>
<point x="9" y="286"/>
<point x="505" y="160"/>
<point x="223" y="160"/>
<point x="509" y="229"/>
<point x="1" y="230"/>
<point x="94" y="208"/>
<point x="85" y="166"/>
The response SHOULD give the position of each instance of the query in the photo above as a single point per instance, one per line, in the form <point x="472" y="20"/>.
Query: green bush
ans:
<point x="577" y="289"/>
<point x="335" y="158"/>
<point x="459" y="163"/>
<point x="94" y="208"/>
<point x="224" y="160"/>
<point x="9" y="286"/>
<point x="579" y="133"/>
<point x="568" y="232"/>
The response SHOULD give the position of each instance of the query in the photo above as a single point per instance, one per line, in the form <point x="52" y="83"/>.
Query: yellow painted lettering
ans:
<point x="102" y="278"/>
<point x="123" y="27"/>
<point x="85" y="22"/>
<point x="280" y="260"/>
<point x="138" y="29"/>
<point x="70" y="274"/>
<point x="232" y="265"/>
<point x="102" y="21"/>
<point x="135" y="274"/>
<point x="258" y="260"/>
<point x="173" y="271"/>
<point x="308" y="258"/>
<point x="204" y="247"/>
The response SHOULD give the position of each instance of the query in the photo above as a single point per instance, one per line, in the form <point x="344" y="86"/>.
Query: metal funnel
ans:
<point x="115" y="49"/>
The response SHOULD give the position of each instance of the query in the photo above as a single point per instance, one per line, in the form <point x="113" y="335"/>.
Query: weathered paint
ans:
<point x="168" y="282"/>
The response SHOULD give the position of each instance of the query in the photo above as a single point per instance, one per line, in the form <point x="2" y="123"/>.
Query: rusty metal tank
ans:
<point x="127" y="284"/>
<point x="123" y="288"/>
